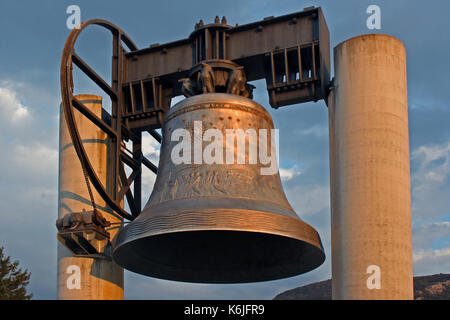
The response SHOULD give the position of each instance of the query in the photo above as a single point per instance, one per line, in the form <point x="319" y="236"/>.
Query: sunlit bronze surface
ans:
<point x="218" y="223"/>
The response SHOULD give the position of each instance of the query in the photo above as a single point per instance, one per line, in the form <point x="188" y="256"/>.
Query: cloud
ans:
<point x="309" y="200"/>
<point x="29" y="168"/>
<point x="288" y="174"/>
<point x="35" y="159"/>
<point x="431" y="261"/>
<point x="316" y="130"/>
<point x="431" y="254"/>
<point x="28" y="139"/>
<point x="424" y="236"/>
<point x="150" y="147"/>
<point x="11" y="107"/>
<point x="428" y="154"/>
<point x="148" y="180"/>
<point x="430" y="181"/>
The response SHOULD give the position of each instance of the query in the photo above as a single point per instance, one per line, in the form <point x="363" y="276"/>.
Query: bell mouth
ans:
<point x="220" y="252"/>
<point x="219" y="256"/>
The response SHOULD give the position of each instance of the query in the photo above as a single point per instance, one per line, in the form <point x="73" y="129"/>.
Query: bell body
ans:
<point x="217" y="222"/>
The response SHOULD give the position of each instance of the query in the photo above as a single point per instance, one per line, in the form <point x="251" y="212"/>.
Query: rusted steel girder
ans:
<point x="291" y="52"/>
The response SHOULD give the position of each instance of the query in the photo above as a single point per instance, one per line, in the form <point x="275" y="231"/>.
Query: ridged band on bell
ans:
<point x="217" y="223"/>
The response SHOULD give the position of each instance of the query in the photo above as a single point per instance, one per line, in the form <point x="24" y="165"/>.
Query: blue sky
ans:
<point x="33" y="35"/>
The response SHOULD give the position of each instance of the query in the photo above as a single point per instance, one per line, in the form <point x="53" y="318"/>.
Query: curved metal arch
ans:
<point x="68" y="101"/>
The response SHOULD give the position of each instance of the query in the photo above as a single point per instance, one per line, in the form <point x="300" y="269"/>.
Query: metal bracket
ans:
<point x="84" y="234"/>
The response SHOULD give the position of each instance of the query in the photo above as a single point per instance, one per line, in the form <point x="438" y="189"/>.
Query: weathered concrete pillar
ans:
<point x="370" y="171"/>
<point x="100" y="279"/>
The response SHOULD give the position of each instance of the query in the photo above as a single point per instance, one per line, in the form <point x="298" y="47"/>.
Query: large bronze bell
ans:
<point x="217" y="223"/>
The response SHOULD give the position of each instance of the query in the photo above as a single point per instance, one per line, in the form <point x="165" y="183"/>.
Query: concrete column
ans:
<point x="370" y="171"/>
<point x="100" y="279"/>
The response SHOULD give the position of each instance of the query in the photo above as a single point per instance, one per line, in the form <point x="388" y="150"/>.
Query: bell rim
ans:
<point x="283" y="221"/>
<point x="293" y="228"/>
